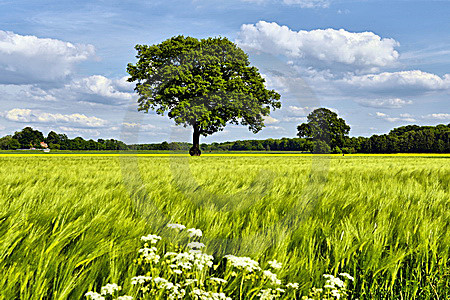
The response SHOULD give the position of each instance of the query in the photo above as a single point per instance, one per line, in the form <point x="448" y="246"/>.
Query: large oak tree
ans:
<point x="203" y="83"/>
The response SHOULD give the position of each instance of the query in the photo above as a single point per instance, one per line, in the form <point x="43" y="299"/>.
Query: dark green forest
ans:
<point x="404" y="139"/>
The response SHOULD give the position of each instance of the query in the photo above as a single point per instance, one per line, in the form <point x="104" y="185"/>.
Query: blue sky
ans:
<point x="378" y="64"/>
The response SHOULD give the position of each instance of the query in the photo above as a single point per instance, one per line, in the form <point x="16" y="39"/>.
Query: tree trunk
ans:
<point x="195" y="150"/>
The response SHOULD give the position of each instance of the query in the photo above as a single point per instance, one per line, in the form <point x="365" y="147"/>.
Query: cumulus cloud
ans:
<point x="30" y="59"/>
<point x="300" y="111"/>
<point x="322" y="47"/>
<point x="438" y="116"/>
<point x="36" y="94"/>
<point x="138" y="126"/>
<point x="100" y="86"/>
<point x="384" y="103"/>
<point x="270" y="120"/>
<point x="36" y="116"/>
<point x="79" y="131"/>
<point x="413" y="80"/>
<point x="403" y="117"/>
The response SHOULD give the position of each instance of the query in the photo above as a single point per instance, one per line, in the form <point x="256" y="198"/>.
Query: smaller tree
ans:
<point x="320" y="147"/>
<point x="28" y="137"/>
<point x="324" y="125"/>
<point x="8" y="143"/>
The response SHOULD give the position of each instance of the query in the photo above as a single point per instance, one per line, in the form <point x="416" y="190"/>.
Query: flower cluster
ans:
<point x="110" y="290"/>
<point x="184" y="271"/>
<point x="243" y="263"/>
<point x="334" y="288"/>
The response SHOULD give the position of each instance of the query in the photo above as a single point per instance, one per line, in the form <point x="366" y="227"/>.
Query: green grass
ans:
<point x="72" y="224"/>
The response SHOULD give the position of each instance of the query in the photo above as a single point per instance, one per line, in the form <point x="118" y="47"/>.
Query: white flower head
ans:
<point x="125" y="297"/>
<point x="275" y="265"/>
<point x="195" y="245"/>
<point x="218" y="280"/>
<point x="140" y="279"/>
<point x="177" y="227"/>
<point x="348" y="276"/>
<point x="109" y="289"/>
<point x="193" y="232"/>
<point x="94" y="296"/>
<point x="272" y="277"/>
<point x="152" y="238"/>
<point x="333" y="282"/>
<point x="243" y="263"/>
<point x="292" y="285"/>
<point x="150" y="255"/>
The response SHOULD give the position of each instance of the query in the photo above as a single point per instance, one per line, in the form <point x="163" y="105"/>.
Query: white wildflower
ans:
<point x="177" y="227"/>
<point x="140" y="279"/>
<point x="195" y="245"/>
<point x="190" y="281"/>
<point x="125" y="297"/>
<point x="203" y="295"/>
<point x="292" y="285"/>
<point x="348" y="276"/>
<point x="178" y="272"/>
<point x="195" y="232"/>
<point x="218" y="280"/>
<point x="152" y="238"/>
<point x="150" y="255"/>
<point x="336" y="294"/>
<point x="267" y="294"/>
<point x="272" y="277"/>
<point x="94" y="296"/>
<point x="243" y="263"/>
<point x="109" y="289"/>
<point x="334" y="281"/>
<point x="275" y="265"/>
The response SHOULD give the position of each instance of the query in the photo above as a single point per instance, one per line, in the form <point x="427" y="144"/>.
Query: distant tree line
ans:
<point x="405" y="139"/>
<point x="29" y="138"/>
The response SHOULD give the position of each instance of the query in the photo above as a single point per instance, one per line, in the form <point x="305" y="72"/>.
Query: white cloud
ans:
<point x="270" y="120"/>
<point x="384" y="103"/>
<point x="438" y="116"/>
<point x="402" y="118"/>
<point x="300" y="111"/>
<point x="138" y="126"/>
<point x="35" y="116"/>
<point x="413" y="80"/>
<point x="36" y="94"/>
<point x="29" y="59"/>
<point x="101" y="86"/>
<point x="276" y="128"/>
<point x="295" y="119"/>
<point x="308" y="3"/>
<point x="301" y="3"/>
<point x="322" y="46"/>
<point x="79" y="131"/>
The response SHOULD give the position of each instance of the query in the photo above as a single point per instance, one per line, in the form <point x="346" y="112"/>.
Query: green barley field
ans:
<point x="71" y="224"/>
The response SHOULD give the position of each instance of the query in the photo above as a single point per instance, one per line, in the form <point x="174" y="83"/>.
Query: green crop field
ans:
<point x="71" y="224"/>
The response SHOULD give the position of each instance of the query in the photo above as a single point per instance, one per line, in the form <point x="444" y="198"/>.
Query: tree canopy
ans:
<point x="28" y="137"/>
<point x="203" y="83"/>
<point x="324" y="125"/>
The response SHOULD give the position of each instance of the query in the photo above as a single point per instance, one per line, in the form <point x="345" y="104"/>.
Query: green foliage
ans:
<point x="9" y="143"/>
<point x="76" y="226"/>
<point x="28" y="137"/>
<point x="321" y="147"/>
<point x="203" y="83"/>
<point x="324" y="125"/>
